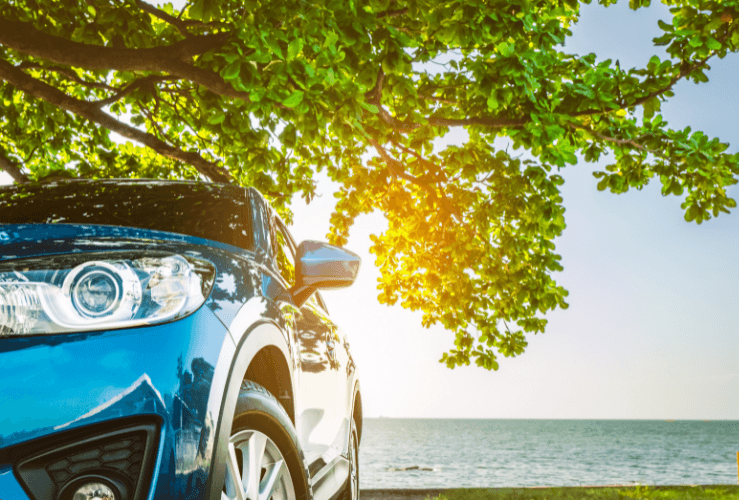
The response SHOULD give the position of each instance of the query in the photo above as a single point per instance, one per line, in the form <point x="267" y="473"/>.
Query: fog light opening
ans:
<point x="94" y="491"/>
<point x="94" y="488"/>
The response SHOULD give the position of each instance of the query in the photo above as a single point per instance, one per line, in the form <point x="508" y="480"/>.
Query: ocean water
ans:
<point x="427" y="453"/>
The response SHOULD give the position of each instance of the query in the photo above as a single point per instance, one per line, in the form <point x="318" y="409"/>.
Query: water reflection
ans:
<point x="192" y="428"/>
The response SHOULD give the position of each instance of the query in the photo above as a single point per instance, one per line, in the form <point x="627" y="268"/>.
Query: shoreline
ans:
<point x="424" y="493"/>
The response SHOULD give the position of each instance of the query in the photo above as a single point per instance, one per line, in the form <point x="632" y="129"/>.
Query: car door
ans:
<point x="345" y="379"/>
<point x="317" y="418"/>
<point x="342" y="364"/>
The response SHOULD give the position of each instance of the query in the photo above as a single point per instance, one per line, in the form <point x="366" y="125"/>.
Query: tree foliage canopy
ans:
<point x="267" y="92"/>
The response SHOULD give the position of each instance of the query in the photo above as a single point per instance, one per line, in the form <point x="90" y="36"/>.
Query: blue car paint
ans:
<point x="9" y="486"/>
<point x="54" y="383"/>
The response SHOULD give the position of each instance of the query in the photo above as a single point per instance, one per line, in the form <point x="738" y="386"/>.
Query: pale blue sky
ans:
<point x="652" y="329"/>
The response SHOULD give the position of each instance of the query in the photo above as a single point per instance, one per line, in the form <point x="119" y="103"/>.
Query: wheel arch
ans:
<point x="270" y="369"/>
<point x="262" y="336"/>
<point x="357" y="410"/>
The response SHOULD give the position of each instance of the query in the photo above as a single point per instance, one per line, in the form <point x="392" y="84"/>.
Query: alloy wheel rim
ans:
<point x="256" y="469"/>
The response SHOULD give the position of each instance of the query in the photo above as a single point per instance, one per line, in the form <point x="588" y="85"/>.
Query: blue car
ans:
<point x="166" y="340"/>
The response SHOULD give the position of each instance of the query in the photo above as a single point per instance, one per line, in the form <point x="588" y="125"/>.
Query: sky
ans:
<point x="652" y="330"/>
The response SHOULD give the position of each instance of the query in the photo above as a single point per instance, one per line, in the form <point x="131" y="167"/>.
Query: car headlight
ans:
<point x="78" y="292"/>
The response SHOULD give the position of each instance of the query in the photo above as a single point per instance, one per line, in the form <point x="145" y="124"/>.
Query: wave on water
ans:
<point x="412" y="468"/>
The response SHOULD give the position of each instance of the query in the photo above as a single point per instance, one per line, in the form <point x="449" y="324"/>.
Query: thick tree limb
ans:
<point x="90" y="111"/>
<point x="12" y="169"/>
<point x="24" y="38"/>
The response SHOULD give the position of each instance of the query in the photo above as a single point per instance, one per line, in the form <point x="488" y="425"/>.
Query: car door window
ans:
<point x="284" y="253"/>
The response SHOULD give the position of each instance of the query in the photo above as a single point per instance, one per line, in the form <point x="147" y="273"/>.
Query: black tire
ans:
<point x="258" y="410"/>
<point x="350" y="491"/>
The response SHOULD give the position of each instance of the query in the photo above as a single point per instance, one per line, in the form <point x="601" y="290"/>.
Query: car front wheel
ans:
<point x="264" y="460"/>
<point x="351" y="488"/>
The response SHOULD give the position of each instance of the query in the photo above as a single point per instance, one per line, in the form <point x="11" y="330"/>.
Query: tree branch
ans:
<point x="175" y="21"/>
<point x="374" y="96"/>
<point x="427" y="163"/>
<point x="41" y="90"/>
<point x="158" y="13"/>
<point x="487" y="121"/>
<point x="494" y="122"/>
<point x="68" y="72"/>
<point x="397" y="169"/>
<point x="437" y="99"/>
<point x="630" y="142"/>
<point x="392" y="13"/>
<point x="12" y="169"/>
<point x="24" y="38"/>
<point x="682" y="74"/>
<point x="138" y="83"/>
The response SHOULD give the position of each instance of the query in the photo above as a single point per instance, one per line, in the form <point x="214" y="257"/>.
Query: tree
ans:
<point x="267" y="92"/>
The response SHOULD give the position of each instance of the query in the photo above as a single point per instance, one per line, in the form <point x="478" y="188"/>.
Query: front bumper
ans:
<point x="59" y="389"/>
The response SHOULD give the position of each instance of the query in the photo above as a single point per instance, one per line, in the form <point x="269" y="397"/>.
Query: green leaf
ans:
<point x="294" y="99"/>
<point x="274" y="47"/>
<point x="556" y="39"/>
<point x="294" y="48"/>
<point x="650" y="107"/>
<point x="370" y="107"/>
<point x="232" y="70"/>
<point x="330" y="76"/>
<point x="216" y="119"/>
<point x="204" y="10"/>
<point x="713" y="44"/>
<point x="256" y="95"/>
<point x="91" y="10"/>
<point x="331" y="39"/>
<point x="583" y="90"/>
<point x="691" y="213"/>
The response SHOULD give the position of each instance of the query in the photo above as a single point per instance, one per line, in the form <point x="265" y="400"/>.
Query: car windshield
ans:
<point x="213" y="211"/>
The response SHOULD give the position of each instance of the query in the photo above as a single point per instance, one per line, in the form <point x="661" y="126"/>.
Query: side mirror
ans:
<point x="324" y="266"/>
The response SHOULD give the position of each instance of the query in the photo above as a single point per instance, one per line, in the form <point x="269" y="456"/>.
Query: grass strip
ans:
<point x="715" y="492"/>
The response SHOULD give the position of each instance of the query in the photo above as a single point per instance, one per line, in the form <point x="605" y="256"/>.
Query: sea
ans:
<point x="430" y="453"/>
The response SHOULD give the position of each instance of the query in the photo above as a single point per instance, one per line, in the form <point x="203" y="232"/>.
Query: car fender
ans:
<point x="250" y="332"/>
